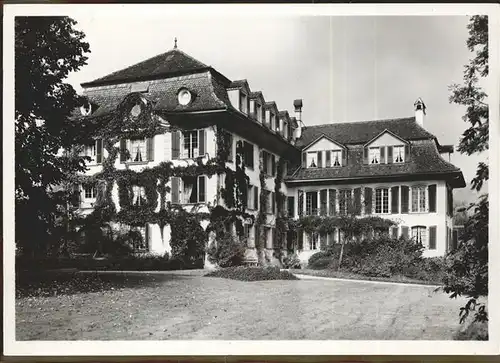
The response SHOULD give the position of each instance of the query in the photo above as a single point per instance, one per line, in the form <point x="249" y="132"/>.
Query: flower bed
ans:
<point x="252" y="273"/>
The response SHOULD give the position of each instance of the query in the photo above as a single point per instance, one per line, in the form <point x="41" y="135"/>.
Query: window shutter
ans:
<point x="432" y="237"/>
<point x="394" y="232"/>
<point x="328" y="162"/>
<point x="201" y="142"/>
<point x="395" y="200"/>
<point x="150" y="148"/>
<point x="273" y="202"/>
<point x="304" y="160"/>
<point x="407" y="152"/>
<point x="357" y="201"/>
<point x="256" y="197"/>
<point x="333" y="196"/>
<point x="323" y="242"/>
<point x="382" y="155"/>
<point x="300" y="205"/>
<point x="389" y="154"/>
<point x="320" y="159"/>
<point x="123" y="149"/>
<point x="365" y="155"/>
<point x="176" y="144"/>
<point x="202" y="192"/>
<point x="99" y="151"/>
<point x="405" y="232"/>
<point x="368" y="200"/>
<point x="175" y="190"/>
<point x="291" y="207"/>
<point x="344" y="157"/>
<point x="432" y="197"/>
<point x="405" y="198"/>
<point x="323" y="196"/>
<point x="273" y="165"/>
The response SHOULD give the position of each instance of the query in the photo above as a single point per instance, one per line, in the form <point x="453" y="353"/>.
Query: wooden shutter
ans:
<point x="382" y="155"/>
<point x="320" y="159"/>
<point x="328" y="157"/>
<point x="273" y="165"/>
<point x="357" y="201"/>
<point x="432" y="197"/>
<point x="123" y="150"/>
<point x="202" y="191"/>
<point x="98" y="151"/>
<point x="405" y="198"/>
<point x="344" y="157"/>
<point x="323" y="201"/>
<point x="176" y="144"/>
<point x="291" y="207"/>
<point x="389" y="154"/>
<point x="273" y="202"/>
<point x="407" y="152"/>
<point x="175" y="190"/>
<point x="368" y="200"/>
<point x="304" y="160"/>
<point x="365" y="155"/>
<point x="323" y="241"/>
<point x="256" y="197"/>
<point x="405" y="231"/>
<point x="394" y="232"/>
<point x="150" y="148"/>
<point x="395" y="200"/>
<point x="333" y="197"/>
<point x="432" y="237"/>
<point x="300" y="206"/>
<point x="201" y="142"/>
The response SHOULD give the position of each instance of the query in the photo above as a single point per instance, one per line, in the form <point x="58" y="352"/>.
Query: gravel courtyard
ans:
<point x="186" y="305"/>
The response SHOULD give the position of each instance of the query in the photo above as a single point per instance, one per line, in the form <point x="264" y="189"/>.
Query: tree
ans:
<point x="47" y="49"/>
<point x="467" y="272"/>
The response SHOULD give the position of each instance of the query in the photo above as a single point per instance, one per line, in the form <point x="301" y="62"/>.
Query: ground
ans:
<point x="178" y="305"/>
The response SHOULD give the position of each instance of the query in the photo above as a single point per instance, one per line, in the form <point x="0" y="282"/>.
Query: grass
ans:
<point x="186" y="305"/>
<point x="353" y="276"/>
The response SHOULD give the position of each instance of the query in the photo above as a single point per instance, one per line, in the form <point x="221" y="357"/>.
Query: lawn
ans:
<point x="186" y="305"/>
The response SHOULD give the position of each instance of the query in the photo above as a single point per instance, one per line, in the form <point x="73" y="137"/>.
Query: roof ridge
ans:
<point x="363" y="121"/>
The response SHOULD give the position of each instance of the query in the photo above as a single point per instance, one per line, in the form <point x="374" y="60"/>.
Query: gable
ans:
<point x="386" y="138"/>
<point x="323" y="143"/>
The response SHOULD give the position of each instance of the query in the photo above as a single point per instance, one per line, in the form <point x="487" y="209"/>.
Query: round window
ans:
<point x="86" y="109"/>
<point x="135" y="111"/>
<point x="184" y="97"/>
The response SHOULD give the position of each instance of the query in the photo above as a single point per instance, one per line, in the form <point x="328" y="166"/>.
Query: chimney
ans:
<point x="297" y="104"/>
<point x="419" y="106"/>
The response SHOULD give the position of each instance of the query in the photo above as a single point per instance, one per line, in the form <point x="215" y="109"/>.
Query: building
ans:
<point x="394" y="166"/>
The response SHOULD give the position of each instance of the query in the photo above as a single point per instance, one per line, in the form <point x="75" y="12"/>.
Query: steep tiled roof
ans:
<point x="174" y="61"/>
<point x="424" y="159"/>
<point x="362" y="131"/>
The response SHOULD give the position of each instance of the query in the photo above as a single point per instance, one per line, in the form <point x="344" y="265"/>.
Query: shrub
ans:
<point x="252" y="273"/>
<point x="227" y="252"/>
<point x="318" y="256"/>
<point x="291" y="261"/>
<point x="475" y="331"/>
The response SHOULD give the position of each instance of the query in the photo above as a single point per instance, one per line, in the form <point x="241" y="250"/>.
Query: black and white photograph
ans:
<point x="262" y="175"/>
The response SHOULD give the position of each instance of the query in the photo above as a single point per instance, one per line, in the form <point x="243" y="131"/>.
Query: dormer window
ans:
<point x="243" y="103"/>
<point x="374" y="155"/>
<point x="337" y="158"/>
<point x="273" y="121"/>
<point x="398" y="154"/>
<point x="312" y="159"/>
<point x="258" y="112"/>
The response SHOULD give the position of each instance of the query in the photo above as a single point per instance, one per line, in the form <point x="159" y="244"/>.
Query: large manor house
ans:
<point x="392" y="168"/>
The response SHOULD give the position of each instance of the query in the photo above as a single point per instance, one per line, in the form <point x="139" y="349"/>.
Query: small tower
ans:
<point x="297" y="104"/>
<point x="419" y="106"/>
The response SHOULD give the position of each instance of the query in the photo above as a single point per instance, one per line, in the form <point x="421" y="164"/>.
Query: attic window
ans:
<point x="86" y="109"/>
<point x="399" y="154"/>
<point x="184" y="96"/>
<point x="374" y="157"/>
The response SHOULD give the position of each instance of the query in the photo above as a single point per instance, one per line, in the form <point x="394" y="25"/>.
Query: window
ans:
<point x="285" y="130"/>
<point x="398" y="154"/>
<point x="312" y="159"/>
<point x="90" y="192"/>
<point x="139" y="197"/>
<point x="194" y="189"/>
<point x="313" y="241"/>
<point x="418" y="200"/>
<point x="269" y="163"/>
<point x="230" y="146"/>
<point x="243" y="103"/>
<point x="419" y="234"/>
<point x="258" y="112"/>
<point x="137" y="150"/>
<point x="345" y="200"/>
<point x="374" y="156"/>
<point x="248" y="154"/>
<point x="382" y="200"/>
<point x="246" y="232"/>
<point x="291" y="206"/>
<point x="336" y="158"/>
<point x="269" y="207"/>
<point x="94" y="151"/>
<point x="140" y="239"/>
<point x="272" y="121"/>
<point x="190" y="144"/>
<point x="311" y="203"/>
<point x="251" y="197"/>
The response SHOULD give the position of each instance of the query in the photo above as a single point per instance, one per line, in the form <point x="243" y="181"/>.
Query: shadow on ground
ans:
<point x="54" y="283"/>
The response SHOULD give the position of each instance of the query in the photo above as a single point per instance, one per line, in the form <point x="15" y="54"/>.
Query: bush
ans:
<point x="474" y="331"/>
<point x="317" y="256"/>
<point x="291" y="261"/>
<point x="252" y="273"/>
<point x="227" y="252"/>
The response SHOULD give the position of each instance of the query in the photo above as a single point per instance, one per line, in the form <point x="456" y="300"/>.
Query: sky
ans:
<point x="344" y="68"/>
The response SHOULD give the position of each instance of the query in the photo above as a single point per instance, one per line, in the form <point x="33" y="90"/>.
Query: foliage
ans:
<point x="47" y="49"/>
<point x="291" y="261"/>
<point x="252" y="273"/>
<point x="467" y="273"/>
<point x="474" y="331"/>
<point x="188" y="239"/>
<point x="227" y="252"/>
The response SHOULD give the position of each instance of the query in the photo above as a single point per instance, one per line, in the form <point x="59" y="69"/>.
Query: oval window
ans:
<point x="184" y="97"/>
<point x="135" y="111"/>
